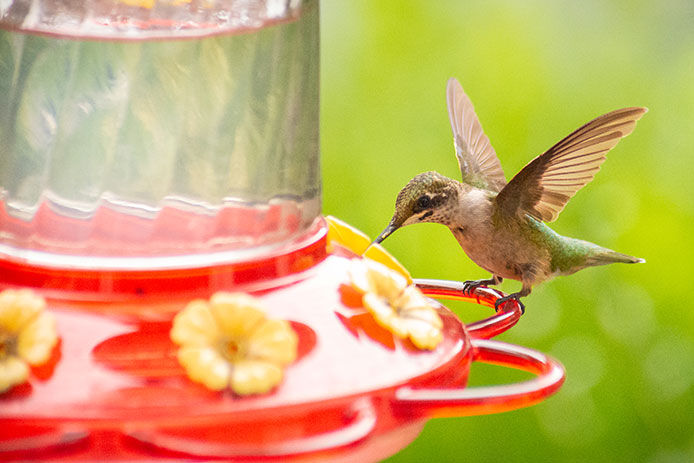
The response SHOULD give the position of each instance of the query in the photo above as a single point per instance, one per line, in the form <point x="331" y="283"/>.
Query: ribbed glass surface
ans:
<point x="146" y="134"/>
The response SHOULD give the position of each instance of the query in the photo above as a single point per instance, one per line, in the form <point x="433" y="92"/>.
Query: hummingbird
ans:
<point x="501" y="226"/>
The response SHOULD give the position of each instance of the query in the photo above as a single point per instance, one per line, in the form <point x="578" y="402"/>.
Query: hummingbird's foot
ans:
<point x="515" y="296"/>
<point x="469" y="286"/>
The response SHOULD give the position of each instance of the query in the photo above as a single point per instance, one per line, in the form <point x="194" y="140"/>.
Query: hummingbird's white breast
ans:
<point x="495" y="243"/>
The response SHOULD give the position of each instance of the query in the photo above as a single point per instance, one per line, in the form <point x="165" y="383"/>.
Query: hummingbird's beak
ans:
<point x="384" y="234"/>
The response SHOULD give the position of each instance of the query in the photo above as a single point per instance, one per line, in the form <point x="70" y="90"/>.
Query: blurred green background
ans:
<point x="536" y="70"/>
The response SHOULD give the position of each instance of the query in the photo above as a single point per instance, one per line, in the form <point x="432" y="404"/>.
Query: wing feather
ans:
<point x="477" y="160"/>
<point x="544" y="186"/>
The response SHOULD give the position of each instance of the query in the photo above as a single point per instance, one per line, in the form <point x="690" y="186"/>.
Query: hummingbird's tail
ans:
<point x="607" y="256"/>
<point x="574" y="255"/>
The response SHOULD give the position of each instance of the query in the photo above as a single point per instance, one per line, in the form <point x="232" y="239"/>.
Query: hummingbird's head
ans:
<point x="428" y="197"/>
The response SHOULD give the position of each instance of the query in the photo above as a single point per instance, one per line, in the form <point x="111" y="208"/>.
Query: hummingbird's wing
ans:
<point x="476" y="157"/>
<point x="544" y="186"/>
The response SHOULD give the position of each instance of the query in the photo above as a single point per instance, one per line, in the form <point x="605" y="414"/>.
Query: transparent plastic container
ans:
<point x="147" y="134"/>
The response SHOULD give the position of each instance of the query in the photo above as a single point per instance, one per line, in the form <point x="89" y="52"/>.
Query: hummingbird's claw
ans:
<point x="469" y="286"/>
<point x="514" y="296"/>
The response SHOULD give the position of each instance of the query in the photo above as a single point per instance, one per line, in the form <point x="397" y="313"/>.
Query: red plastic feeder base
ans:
<point x="114" y="390"/>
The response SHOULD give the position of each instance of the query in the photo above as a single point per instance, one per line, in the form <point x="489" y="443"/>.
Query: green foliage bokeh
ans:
<point x="536" y="70"/>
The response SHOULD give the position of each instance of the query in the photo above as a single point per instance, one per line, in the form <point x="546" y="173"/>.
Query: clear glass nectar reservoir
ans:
<point x="156" y="134"/>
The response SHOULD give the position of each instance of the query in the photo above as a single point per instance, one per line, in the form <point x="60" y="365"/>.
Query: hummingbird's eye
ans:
<point x="423" y="202"/>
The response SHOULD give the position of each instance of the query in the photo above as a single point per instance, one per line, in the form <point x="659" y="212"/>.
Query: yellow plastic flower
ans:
<point x="149" y="4"/>
<point x="345" y="235"/>
<point x="229" y="343"/>
<point x="397" y="306"/>
<point x="27" y="335"/>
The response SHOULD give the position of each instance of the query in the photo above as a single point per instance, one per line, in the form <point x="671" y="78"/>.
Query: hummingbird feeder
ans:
<point x="168" y="286"/>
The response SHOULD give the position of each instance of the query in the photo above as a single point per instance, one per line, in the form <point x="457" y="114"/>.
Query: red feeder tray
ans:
<point x="114" y="390"/>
